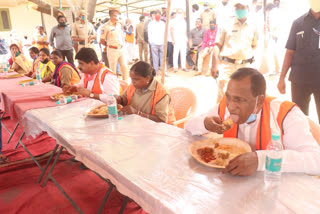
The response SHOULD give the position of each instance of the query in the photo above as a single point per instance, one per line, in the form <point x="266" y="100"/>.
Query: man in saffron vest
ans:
<point x="98" y="81"/>
<point x="255" y="116"/>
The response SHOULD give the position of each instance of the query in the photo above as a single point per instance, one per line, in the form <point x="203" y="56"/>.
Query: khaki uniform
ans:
<point x="113" y="36"/>
<point x="206" y="17"/>
<point x="79" y="30"/>
<point x="141" y="100"/>
<point x="143" y="46"/>
<point x="238" y="42"/>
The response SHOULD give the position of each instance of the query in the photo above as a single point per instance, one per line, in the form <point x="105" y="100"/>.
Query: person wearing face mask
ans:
<point x="34" y="55"/>
<point x="111" y="37"/>
<point x="18" y="62"/>
<point x="207" y="15"/>
<point x="303" y="57"/>
<point x="46" y="66"/>
<point x="178" y="29"/>
<point x="194" y="16"/>
<point x="255" y="117"/>
<point x="207" y="47"/>
<point x="235" y="45"/>
<point x="156" y="30"/>
<point x="79" y="30"/>
<point x="60" y="39"/>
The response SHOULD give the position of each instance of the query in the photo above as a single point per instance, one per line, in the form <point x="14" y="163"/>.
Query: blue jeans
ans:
<point x="156" y="51"/>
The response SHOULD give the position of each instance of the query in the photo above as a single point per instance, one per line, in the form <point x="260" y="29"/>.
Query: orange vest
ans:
<point x="75" y="79"/>
<point x="96" y="85"/>
<point x="264" y="130"/>
<point x="158" y="94"/>
<point x="130" y="38"/>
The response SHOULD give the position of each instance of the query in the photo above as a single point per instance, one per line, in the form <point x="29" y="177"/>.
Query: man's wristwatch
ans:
<point x="91" y="95"/>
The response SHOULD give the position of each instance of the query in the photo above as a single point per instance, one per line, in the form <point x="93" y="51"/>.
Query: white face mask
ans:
<point x="315" y="5"/>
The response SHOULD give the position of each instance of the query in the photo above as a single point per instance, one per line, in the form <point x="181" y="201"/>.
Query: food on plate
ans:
<point x="218" y="152"/>
<point x="215" y="155"/>
<point x="102" y="110"/>
<point x="61" y="95"/>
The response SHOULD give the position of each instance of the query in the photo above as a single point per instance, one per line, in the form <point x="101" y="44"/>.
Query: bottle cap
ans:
<point x="275" y="136"/>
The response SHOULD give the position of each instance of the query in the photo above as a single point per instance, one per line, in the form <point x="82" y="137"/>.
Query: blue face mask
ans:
<point x="253" y="116"/>
<point x="82" y="17"/>
<point x="241" y="13"/>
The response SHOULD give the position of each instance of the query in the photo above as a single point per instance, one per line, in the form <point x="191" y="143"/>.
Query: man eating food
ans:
<point x="255" y="117"/>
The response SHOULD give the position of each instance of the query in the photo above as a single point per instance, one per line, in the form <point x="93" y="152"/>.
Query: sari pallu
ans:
<point x="75" y="78"/>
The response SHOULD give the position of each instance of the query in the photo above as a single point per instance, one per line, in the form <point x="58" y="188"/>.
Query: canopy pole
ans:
<point x="164" y="53"/>
<point x="86" y="24"/>
<point x="127" y="9"/>
<point x="188" y="16"/>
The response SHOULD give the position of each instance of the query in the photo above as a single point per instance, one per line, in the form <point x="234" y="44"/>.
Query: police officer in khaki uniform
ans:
<point x="79" y="29"/>
<point x="235" y="44"/>
<point x="111" y="37"/>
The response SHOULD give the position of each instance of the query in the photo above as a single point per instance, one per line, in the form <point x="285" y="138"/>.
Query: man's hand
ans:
<point x="129" y="110"/>
<point x="83" y="91"/>
<point x="69" y="89"/>
<point x="282" y="86"/>
<point x="244" y="165"/>
<point x="214" y="124"/>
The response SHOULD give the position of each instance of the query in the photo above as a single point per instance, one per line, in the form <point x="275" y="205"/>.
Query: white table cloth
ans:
<point x="150" y="163"/>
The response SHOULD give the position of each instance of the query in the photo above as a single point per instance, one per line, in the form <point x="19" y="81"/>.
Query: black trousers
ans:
<point x="69" y="55"/>
<point x="170" y="54"/>
<point x="301" y="95"/>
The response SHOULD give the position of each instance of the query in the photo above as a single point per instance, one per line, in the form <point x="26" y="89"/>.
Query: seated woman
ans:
<point x="46" y="66"/>
<point x="18" y="62"/>
<point x="34" y="54"/>
<point x="146" y="96"/>
<point x="65" y="73"/>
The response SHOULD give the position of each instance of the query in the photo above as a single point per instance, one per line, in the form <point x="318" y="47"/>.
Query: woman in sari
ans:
<point x="34" y="54"/>
<point x="65" y="73"/>
<point x="46" y="66"/>
<point x="146" y="96"/>
<point x="18" y="62"/>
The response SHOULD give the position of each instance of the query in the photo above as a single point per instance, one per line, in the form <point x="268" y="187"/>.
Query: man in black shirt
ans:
<point x="303" y="57"/>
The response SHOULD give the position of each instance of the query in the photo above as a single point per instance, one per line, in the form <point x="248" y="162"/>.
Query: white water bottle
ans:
<point x="66" y="100"/>
<point x="38" y="77"/>
<point x="112" y="108"/>
<point x="27" y="84"/>
<point x="272" y="173"/>
<point x="5" y="67"/>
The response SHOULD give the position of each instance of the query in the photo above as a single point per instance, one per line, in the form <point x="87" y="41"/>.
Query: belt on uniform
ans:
<point x="83" y="43"/>
<point x="236" y="61"/>
<point x="114" y="47"/>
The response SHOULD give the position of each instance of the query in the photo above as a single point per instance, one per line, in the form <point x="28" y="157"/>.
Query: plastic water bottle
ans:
<point x="112" y="108"/>
<point x="38" y="77"/>
<point x="272" y="173"/>
<point x="27" y="84"/>
<point x="5" y="67"/>
<point x="66" y="100"/>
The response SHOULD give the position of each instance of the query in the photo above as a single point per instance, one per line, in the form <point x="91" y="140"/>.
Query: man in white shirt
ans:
<point x="255" y="117"/>
<point x="178" y="29"/>
<point x="194" y="16"/>
<point x="156" y="30"/>
<point x="98" y="81"/>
